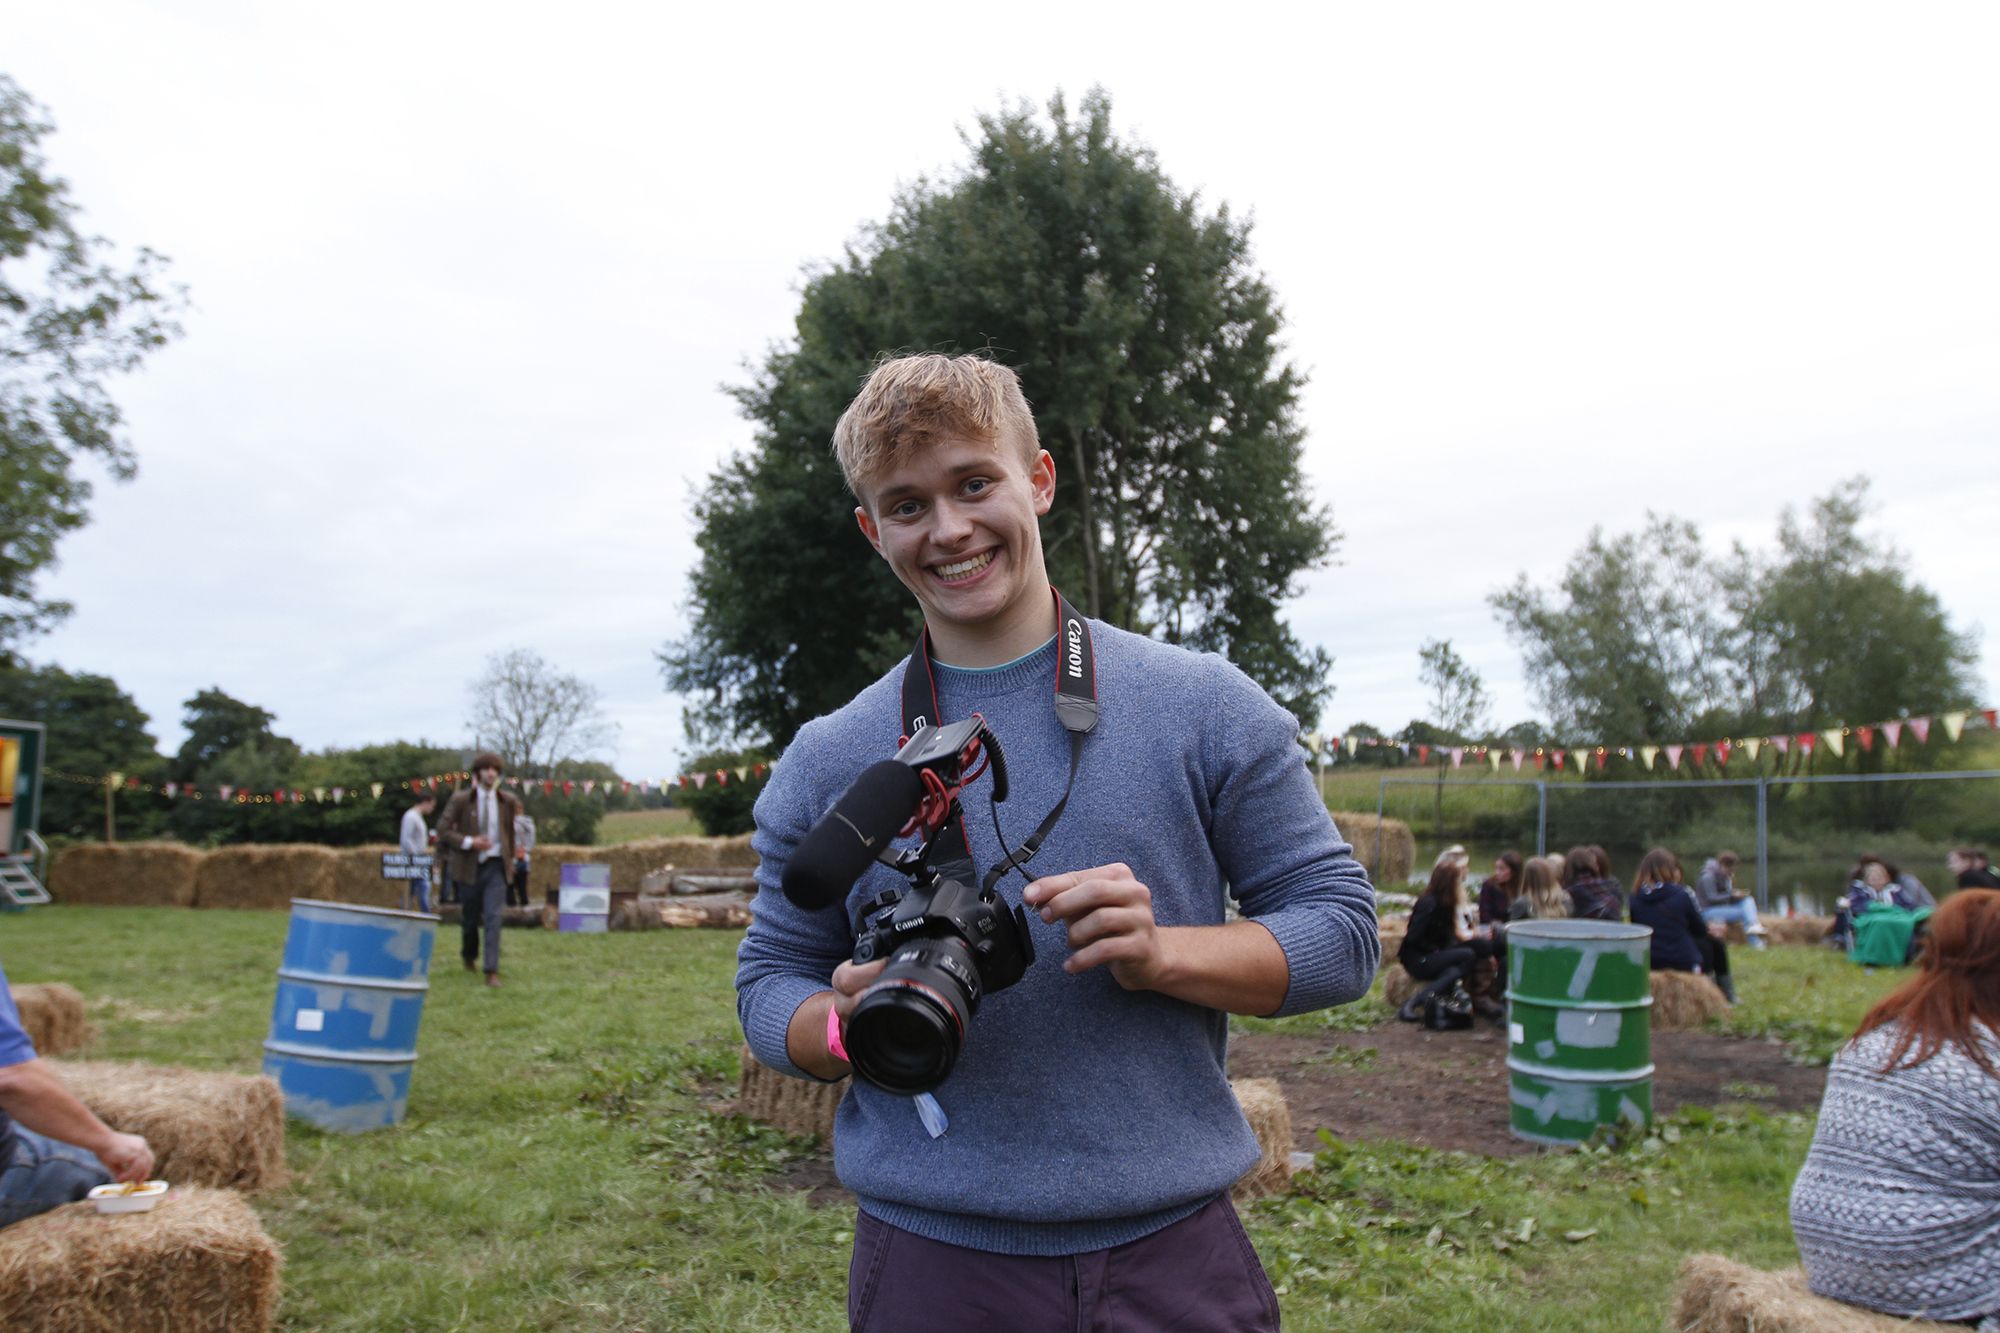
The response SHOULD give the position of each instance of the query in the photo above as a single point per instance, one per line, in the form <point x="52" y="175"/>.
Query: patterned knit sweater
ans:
<point x="1897" y="1207"/>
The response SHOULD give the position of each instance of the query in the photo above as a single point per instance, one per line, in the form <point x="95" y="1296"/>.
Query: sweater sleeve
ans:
<point x="788" y="954"/>
<point x="1287" y="865"/>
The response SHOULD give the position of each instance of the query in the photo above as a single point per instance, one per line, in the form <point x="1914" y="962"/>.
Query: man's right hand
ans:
<point x="127" y="1156"/>
<point x="805" y="1038"/>
<point x="849" y="980"/>
<point x="482" y="843"/>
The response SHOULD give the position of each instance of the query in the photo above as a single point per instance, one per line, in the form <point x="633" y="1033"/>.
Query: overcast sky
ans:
<point x="466" y="279"/>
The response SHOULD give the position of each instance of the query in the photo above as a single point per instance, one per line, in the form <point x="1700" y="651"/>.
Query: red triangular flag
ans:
<point x="548" y="787"/>
<point x="722" y="777"/>
<point x="1867" y="735"/>
<point x="569" y="785"/>
<point x="1541" y="760"/>
<point x="278" y="796"/>
<point x="1559" y="758"/>
<point x="1701" y="754"/>
<point x="1992" y="716"/>
<point x="1423" y="754"/>
<point x="1922" y="726"/>
<point x="1807" y="741"/>
<point x="1722" y="752"/>
<point x="1600" y="761"/>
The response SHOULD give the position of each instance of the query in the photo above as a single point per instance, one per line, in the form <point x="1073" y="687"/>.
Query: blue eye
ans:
<point x="976" y="485"/>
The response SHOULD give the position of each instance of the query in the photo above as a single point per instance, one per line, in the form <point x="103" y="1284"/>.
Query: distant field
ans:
<point x="632" y="825"/>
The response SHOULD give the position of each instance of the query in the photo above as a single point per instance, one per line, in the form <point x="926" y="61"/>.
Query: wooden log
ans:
<point x="699" y="882"/>
<point x="721" y="911"/>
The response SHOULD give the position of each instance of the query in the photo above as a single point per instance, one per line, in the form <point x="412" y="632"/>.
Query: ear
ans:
<point x="869" y="528"/>
<point x="1042" y="481"/>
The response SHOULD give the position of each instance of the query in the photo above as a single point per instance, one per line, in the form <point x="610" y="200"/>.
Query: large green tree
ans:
<point x="71" y="318"/>
<point x="94" y="729"/>
<point x="1649" y="637"/>
<point x="1149" y="348"/>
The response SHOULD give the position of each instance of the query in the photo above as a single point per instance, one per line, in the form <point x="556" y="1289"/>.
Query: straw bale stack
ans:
<point x="795" y="1105"/>
<point x="268" y="877"/>
<point x="1715" y="1295"/>
<point x="1263" y="1104"/>
<point x="632" y="862"/>
<point x="220" y="1130"/>
<point x="1685" y="1000"/>
<point x="1797" y="929"/>
<point x="52" y="1016"/>
<point x="1390" y="930"/>
<point x="357" y="878"/>
<point x="1399" y="847"/>
<point x="199" y="1262"/>
<point x="126" y="874"/>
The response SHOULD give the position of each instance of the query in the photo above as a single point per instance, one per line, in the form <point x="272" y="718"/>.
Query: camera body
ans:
<point x="947" y="946"/>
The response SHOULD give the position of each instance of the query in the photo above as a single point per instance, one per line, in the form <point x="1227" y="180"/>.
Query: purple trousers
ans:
<point x="1199" y="1275"/>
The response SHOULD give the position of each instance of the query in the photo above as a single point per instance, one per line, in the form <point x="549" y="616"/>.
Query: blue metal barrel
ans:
<point x="344" y="1025"/>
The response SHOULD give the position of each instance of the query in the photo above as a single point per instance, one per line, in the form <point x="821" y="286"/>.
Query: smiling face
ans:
<point x="957" y="522"/>
<point x="1875" y="875"/>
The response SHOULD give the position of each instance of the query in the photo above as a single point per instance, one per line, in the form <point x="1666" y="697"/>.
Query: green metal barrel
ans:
<point x="1579" y="1027"/>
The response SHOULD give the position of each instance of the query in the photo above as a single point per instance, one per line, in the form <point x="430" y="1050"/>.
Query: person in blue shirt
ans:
<point x="53" y="1150"/>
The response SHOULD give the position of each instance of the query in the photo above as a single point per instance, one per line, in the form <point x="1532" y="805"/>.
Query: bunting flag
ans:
<point x="1559" y="759"/>
<point x="1649" y="753"/>
<point x="1423" y="754"/>
<point x="1673" y="757"/>
<point x="1722" y="753"/>
<point x="1836" y="741"/>
<point x="1541" y="761"/>
<point x="226" y="792"/>
<point x="1517" y="757"/>
<point x="1954" y="723"/>
<point x="743" y="774"/>
<point x="700" y="781"/>
<point x="376" y="789"/>
<point x="1867" y="737"/>
<point x="1751" y="745"/>
<point x="1457" y="755"/>
<point x="1577" y="755"/>
<point x="588" y="783"/>
<point x="1992" y="716"/>
<point x="1784" y="744"/>
<point x="1493" y="758"/>
<point x="1807" y="740"/>
<point x="1922" y="727"/>
<point x="1601" y="759"/>
<point x="1893" y="733"/>
<point x="1700" y="755"/>
<point x="1353" y="744"/>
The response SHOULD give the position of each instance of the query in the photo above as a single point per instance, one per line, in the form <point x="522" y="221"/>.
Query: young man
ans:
<point x="477" y="836"/>
<point x="1715" y="893"/>
<point x="1088" y="1135"/>
<point x="1968" y="869"/>
<point x="414" y="838"/>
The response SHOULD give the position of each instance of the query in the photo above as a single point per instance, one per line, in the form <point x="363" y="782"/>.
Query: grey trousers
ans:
<point x="479" y="904"/>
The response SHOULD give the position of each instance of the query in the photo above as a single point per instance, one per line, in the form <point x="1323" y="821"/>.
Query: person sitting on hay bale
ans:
<point x="1593" y="893"/>
<point x="1433" y="951"/>
<point x="53" y="1151"/>
<point x="1683" y="940"/>
<point x="1897" y="1207"/>
<point x="1542" y="896"/>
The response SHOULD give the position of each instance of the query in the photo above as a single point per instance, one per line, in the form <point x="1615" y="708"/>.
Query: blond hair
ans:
<point x="913" y="402"/>
<point x="1546" y="897"/>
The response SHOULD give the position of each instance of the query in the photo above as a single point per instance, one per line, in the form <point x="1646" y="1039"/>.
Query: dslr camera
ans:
<point x="947" y="944"/>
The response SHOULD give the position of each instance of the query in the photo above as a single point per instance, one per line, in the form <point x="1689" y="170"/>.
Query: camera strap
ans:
<point x="1076" y="709"/>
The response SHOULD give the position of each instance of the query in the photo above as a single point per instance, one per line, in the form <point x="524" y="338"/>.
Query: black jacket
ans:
<point x="1430" y="930"/>
<point x="1669" y="909"/>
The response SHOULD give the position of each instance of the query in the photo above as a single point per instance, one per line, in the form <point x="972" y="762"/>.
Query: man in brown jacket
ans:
<point x="477" y="834"/>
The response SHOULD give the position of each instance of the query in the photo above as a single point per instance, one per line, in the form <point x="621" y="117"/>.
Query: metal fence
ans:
<point x="1758" y="788"/>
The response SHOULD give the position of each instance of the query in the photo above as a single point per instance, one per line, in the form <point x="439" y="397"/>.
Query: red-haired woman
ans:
<point x="1897" y="1207"/>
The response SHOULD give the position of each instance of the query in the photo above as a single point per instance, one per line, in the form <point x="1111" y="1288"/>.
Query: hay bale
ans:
<point x="1797" y="929"/>
<point x="797" y="1106"/>
<point x="1399" y="846"/>
<point x="357" y="878"/>
<point x="126" y="874"/>
<point x="1715" y="1295"/>
<point x="199" y="1262"/>
<point x="1397" y="985"/>
<point x="221" y="1130"/>
<point x="52" y="1016"/>
<point x="1263" y="1104"/>
<point x="1685" y="1000"/>
<point x="1390" y="931"/>
<point x="265" y="877"/>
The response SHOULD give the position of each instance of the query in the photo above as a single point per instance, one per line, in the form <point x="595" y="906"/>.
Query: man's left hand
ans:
<point x="1109" y="917"/>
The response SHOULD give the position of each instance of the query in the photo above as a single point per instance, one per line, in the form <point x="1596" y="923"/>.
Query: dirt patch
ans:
<point x="1449" y="1089"/>
<point x="1445" y="1090"/>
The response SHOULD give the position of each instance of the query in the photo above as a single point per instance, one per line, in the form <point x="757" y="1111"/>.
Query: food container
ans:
<point x="139" y="1199"/>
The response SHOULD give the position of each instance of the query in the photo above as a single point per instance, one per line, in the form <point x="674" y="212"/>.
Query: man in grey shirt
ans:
<point x="1715" y="893"/>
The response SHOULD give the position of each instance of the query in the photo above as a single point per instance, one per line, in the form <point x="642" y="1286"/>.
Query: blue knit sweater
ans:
<point x="1082" y="1115"/>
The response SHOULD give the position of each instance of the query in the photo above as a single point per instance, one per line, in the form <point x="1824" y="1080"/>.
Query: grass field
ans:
<point x="561" y="1168"/>
<point x="633" y="825"/>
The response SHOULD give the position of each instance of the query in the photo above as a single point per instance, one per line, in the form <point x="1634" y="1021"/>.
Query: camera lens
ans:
<point x="905" y="1034"/>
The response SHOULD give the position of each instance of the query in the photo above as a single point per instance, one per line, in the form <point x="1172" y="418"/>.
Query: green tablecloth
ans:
<point x="1882" y="935"/>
